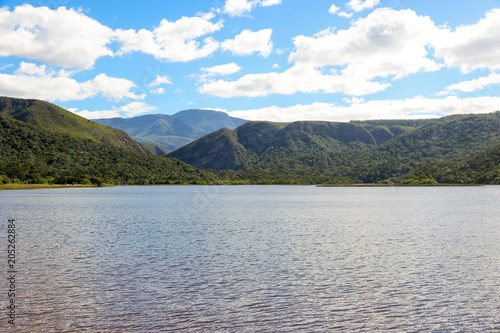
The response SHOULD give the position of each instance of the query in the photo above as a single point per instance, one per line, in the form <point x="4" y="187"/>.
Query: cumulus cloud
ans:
<point x="61" y="37"/>
<point x="345" y="14"/>
<point x="173" y="41"/>
<point x="32" y="81"/>
<point x="359" y="5"/>
<point x="159" y="80"/>
<point x="412" y="108"/>
<point x="333" y="9"/>
<point x="473" y="46"/>
<point x="296" y="79"/>
<point x="387" y="43"/>
<point x="129" y="110"/>
<point x="249" y="42"/>
<point x="157" y="91"/>
<point x="242" y="7"/>
<point x="237" y="7"/>
<point x="97" y="114"/>
<point x="135" y="108"/>
<point x="223" y="70"/>
<point x="473" y="85"/>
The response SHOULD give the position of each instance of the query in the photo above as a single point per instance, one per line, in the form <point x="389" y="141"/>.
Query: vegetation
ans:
<point x="155" y="149"/>
<point x="29" y="154"/>
<point x="359" y="152"/>
<point x="43" y="144"/>
<point x="483" y="168"/>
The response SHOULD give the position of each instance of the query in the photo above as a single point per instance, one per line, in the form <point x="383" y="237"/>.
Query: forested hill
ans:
<point x="225" y="149"/>
<point x="322" y="152"/>
<point x="52" y="118"/>
<point x="484" y="168"/>
<point x="42" y="143"/>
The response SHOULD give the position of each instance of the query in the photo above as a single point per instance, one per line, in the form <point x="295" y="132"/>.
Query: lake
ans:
<point x="254" y="259"/>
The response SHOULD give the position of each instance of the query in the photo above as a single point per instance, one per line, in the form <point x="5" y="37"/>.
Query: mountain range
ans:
<point x="365" y="152"/>
<point x="173" y="131"/>
<point x="43" y="143"/>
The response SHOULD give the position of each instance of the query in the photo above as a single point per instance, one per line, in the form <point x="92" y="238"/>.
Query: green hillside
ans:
<point x="484" y="168"/>
<point x="155" y="149"/>
<point x="55" y="119"/>
<point x="359" y="152"/>
<point x="42" y="143"/>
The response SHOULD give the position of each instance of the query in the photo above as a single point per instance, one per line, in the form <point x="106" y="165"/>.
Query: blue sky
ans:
<point x="277" y="60"/>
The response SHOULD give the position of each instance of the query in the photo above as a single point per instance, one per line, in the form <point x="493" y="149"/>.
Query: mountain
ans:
<point x="43" y="143"/>
<point x="225" y="149"/>
<point x="173" y="131"/>
<point x="55" y="119"/>
<point x="315" y="152"/>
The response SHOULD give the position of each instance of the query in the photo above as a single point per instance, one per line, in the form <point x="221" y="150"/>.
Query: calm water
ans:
<point x="254" y="258"/>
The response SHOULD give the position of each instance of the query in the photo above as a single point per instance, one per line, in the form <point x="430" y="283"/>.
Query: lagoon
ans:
<point x="254" y="258"/>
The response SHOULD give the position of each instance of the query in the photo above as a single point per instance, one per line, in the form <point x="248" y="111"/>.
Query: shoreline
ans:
<point x="37" y="186"/>
<point x="367" y="185"/>
<point x="399" y="185"/>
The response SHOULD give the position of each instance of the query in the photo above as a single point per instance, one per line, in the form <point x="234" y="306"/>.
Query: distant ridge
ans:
<point x="173" y="131"/>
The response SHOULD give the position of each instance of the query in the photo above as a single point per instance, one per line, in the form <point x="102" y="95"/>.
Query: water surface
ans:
<point x="255" y="258"/>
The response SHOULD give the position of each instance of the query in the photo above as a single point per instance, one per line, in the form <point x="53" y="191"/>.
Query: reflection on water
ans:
<point x="256" y="258"/>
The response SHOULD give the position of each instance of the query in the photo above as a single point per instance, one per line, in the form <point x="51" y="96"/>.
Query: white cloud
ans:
<point x="296" y="79"/>
<point x="249" y="42"/>
<point x="28" y="68"/>
<point x="97" y="114"/>
<point x="135" y="108"/>
<point x="387" y="43"/>
<point x="359" y="5"/>
<point x="353" y="100"/>
<point x="129" y="110"/>
<point x="32" y="81"/>
<point x="110" y="87"/>
<point x="242" y="7"/>
<point x="345" y="14"/>
<point x="173" y="41"/>
<point x="214" y="109"/>
<point x="412" y="108"/>
<point x="267" y="3"/>
<point x="223" y="70"/>
<point x="159" y="80"/>
<point x="333" y="9"/>
<point x="157" y="91"/>
<point x="237" y="7"/>
<point x="477" y="84"/>
<point x="61" y="37"/>
<point x="473" y="46"/>
<point x="6" y="66"/>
